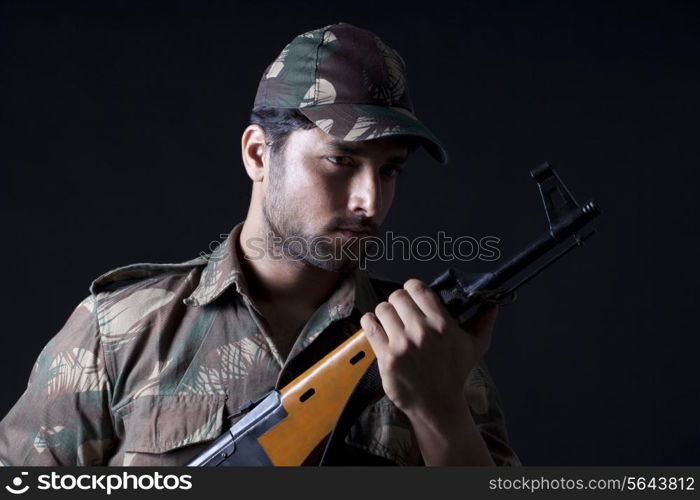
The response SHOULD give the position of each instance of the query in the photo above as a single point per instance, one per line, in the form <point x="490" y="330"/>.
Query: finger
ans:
<point x="425" y="298"/>
<point x="392" y="324"/>
<point x="409" y="312"/>
<point x="375" y="333"/>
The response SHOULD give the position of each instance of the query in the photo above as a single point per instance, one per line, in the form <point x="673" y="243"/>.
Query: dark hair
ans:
<point x="278" y="123"/>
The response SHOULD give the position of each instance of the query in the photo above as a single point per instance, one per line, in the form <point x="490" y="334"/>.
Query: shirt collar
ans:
<point x="222" y="270"/>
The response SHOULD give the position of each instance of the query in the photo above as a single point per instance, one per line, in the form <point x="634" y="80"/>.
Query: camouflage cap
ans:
<point x="349" y="83"/>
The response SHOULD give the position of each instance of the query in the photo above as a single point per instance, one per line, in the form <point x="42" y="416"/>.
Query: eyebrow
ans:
<point x="356" y="149"/>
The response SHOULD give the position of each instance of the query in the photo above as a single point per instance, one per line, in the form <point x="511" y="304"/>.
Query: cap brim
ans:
<point x="362" y="122"/>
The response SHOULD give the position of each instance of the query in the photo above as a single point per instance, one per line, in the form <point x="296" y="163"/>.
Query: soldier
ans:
<point x="150" y="364"/>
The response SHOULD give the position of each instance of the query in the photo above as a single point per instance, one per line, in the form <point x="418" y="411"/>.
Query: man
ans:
<point x="149" y="366"/>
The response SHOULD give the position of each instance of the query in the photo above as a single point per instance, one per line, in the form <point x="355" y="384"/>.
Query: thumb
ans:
<point x="481" y="325"/>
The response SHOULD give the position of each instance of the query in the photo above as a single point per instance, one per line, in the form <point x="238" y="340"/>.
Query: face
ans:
<point x="325" y="196"/>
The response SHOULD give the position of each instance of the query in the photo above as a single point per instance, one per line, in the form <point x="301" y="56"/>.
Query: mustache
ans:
<point x="359" y="223"/>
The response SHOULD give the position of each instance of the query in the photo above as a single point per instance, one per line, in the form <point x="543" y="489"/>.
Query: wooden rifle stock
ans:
<point x="315" y="399"/>
<point x="287" y="427"/>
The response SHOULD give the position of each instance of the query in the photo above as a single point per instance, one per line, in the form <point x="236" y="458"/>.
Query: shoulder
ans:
<point x="132" y="274"/>
<point x="130" y="301"/>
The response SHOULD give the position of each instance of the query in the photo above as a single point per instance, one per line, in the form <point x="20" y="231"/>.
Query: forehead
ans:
<point x="317" y="139"/>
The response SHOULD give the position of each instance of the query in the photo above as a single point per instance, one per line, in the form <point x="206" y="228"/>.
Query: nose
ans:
<point x="366" y="194"/>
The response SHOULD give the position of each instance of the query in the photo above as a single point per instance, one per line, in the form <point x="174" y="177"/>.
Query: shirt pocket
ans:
<point x="162" y="429"/>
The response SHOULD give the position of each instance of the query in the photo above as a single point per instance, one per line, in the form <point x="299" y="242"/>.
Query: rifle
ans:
<point x="285" y="427"/>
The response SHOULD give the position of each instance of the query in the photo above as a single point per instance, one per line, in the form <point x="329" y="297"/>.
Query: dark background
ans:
<point x="120" y="138"/>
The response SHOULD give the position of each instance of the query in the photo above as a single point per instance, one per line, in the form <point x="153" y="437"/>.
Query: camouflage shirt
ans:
<point x="148" y="367"/>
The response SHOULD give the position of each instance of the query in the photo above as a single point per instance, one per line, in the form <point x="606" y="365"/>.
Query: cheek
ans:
<point x="388" y="192"/>
<point x="314" y="190"/>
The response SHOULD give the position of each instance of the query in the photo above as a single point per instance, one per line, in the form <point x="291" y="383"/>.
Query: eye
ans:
<point x="391" y="171"/>
<point x="340" y="160"/>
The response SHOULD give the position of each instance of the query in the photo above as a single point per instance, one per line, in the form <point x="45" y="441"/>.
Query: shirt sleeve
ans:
<point x="487" y="411"/>
<point x="63" y="417"/>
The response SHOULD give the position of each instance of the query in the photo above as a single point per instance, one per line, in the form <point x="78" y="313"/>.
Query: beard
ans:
<point x="287" y="237"/>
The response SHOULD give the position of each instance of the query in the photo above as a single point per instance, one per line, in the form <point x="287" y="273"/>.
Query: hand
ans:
<point x="424" y="356"/>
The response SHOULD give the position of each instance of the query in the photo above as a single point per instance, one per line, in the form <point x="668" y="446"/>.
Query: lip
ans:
<point x="357" y="233"/>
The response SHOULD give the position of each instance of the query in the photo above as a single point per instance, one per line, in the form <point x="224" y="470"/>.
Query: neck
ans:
<point x="275" y="280"/>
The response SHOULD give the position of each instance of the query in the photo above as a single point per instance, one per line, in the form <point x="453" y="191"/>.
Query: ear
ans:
<point x="254" y="149"/>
